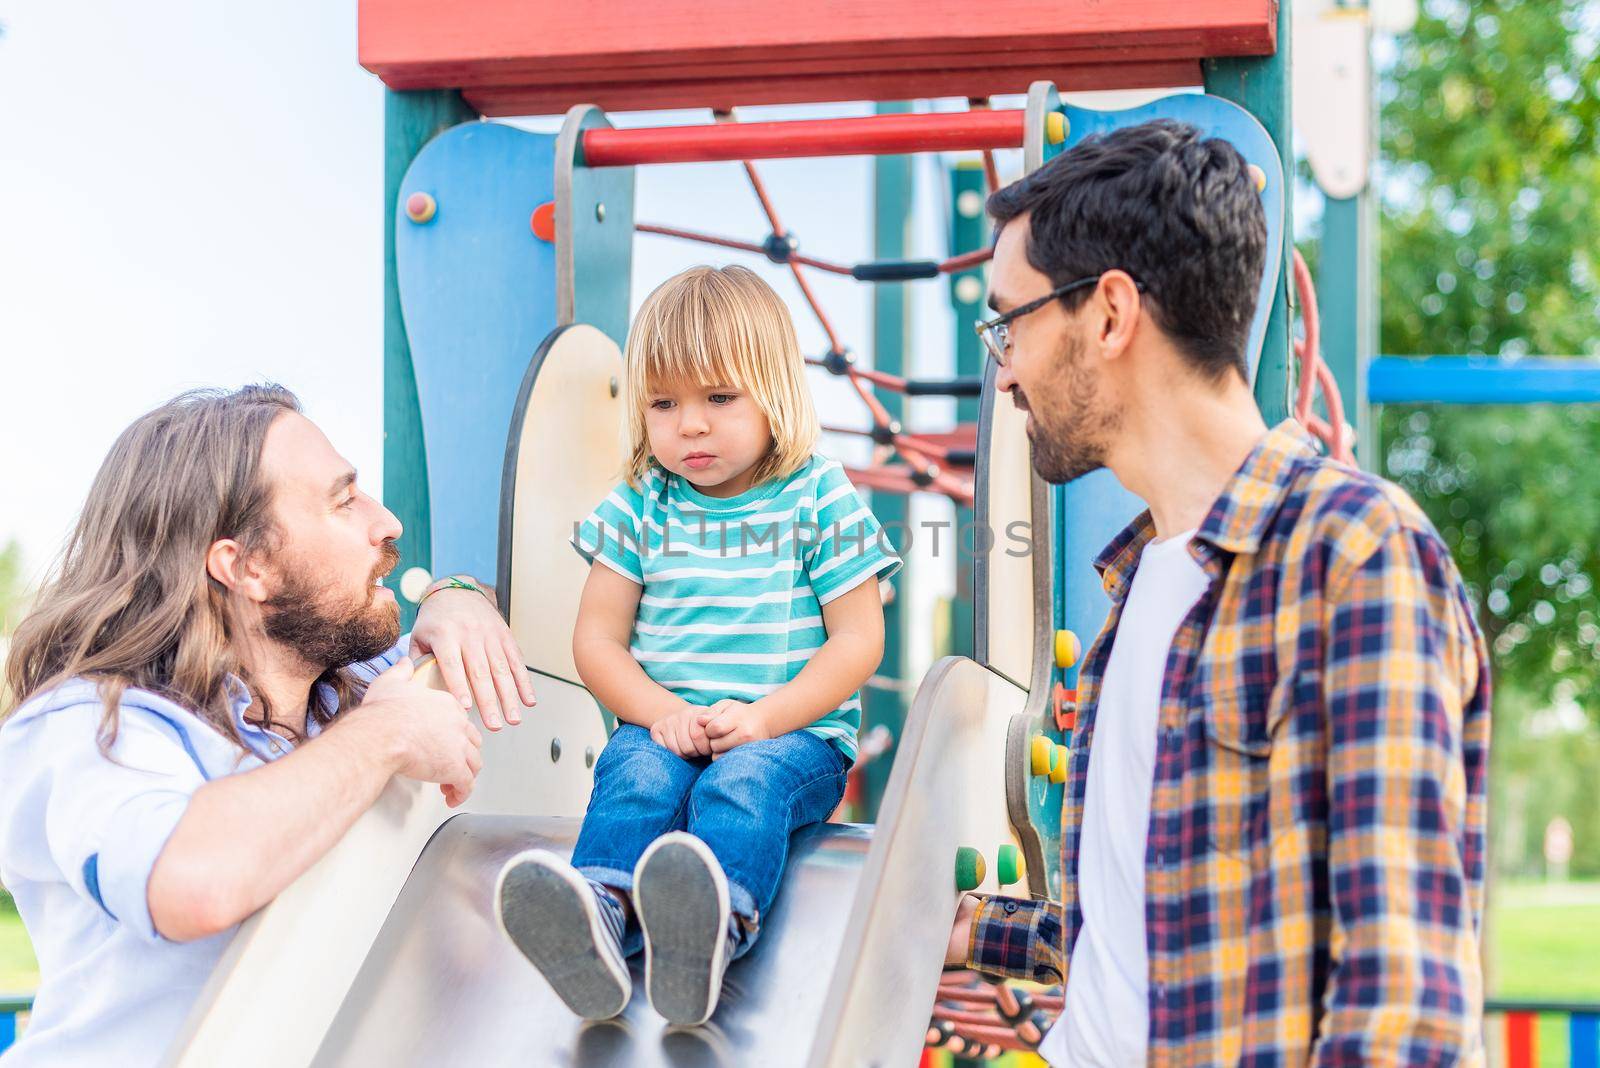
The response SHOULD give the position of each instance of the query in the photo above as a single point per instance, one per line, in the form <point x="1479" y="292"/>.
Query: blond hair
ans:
<point x="721" y="325"/>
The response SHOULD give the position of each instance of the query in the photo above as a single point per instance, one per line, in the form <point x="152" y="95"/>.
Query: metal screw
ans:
<point x="600" y="212"/>
<point x="588" y="757"/>
<point x="555" y="750"/>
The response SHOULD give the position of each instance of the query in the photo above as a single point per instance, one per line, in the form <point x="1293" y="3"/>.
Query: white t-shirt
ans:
<point x="1106" y="1018"/>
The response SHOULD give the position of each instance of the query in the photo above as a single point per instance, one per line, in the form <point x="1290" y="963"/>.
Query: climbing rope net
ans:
<point x="935" y="462"/>
<point x="943" y="462"/>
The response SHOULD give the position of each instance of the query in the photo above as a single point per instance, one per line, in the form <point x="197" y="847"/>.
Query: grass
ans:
<point x="19" y="973"/>
<point x="1547" y="938"/>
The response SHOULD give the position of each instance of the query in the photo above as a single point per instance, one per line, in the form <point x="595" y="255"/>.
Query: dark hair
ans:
<point x="1178" y="212"/>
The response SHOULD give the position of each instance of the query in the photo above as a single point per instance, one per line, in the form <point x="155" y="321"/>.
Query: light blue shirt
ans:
<point x="734" y="586"/>
<point x="79" y="835"/>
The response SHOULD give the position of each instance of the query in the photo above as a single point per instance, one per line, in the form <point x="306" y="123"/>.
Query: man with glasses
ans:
<point x="1273" y="823"/>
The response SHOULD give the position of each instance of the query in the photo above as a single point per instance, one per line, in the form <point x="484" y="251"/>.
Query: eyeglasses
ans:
<point x="996" y="333"/>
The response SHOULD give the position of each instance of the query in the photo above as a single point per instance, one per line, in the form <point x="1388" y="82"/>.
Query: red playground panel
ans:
<point x="516" y="57"/>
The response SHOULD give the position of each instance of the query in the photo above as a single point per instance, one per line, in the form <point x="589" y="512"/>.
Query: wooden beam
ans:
<point x="831" y="48"/>
<point x="723" y="94"/>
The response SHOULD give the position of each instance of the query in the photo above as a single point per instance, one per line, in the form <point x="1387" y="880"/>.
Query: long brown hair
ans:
<point x="130" y="602"/>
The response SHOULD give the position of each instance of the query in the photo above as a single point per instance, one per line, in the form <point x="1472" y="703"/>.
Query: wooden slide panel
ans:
<point x="563" y="456"/>
<point x="1013" y="581"/>
<point x="946" y="791"/>
<point x="315" y="936"/>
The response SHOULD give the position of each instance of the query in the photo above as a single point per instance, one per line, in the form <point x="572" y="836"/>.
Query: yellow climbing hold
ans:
<point x="969" y="869"/>
<point x="1055" y="127"/>
<point x="1039" y="755"/>
<point x="1009" y="866"/>
<point x="1260" y="177"/>
<point x="1058" y="764"/>
<point x="1068" y="649"/>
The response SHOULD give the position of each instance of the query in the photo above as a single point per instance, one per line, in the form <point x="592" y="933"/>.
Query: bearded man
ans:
<point x="209" y="690"/>
<point x="1273" y="825"/>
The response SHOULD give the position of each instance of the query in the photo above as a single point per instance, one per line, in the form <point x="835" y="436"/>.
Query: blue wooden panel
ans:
<point x="1091" y="510"/>
<point x="477" y="290"/>
<point x="1482" y="380"/>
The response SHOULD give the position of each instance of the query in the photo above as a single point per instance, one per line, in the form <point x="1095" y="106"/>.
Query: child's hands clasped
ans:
<point x="730" y="723"/>
<point x="683" y="732"/>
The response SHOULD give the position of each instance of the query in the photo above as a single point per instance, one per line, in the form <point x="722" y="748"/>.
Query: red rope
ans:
<point x="953" y="265"/>
<point x="1314" y="373"/>
<point x="991" y="173"/>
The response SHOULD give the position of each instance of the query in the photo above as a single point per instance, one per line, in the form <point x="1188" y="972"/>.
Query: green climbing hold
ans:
<point x="969" y="869"/>
<point x="1008" y="865"/>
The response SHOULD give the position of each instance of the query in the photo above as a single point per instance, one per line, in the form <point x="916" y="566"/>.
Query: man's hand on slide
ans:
<point x="478" y="658"/>
<point x="730" y="723"/>
<point x="430" y="738"/>
<point x="683" y="732"/>
<point x="961" y="931"/>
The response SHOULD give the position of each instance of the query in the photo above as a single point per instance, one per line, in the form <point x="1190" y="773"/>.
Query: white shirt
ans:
<point x="79" y="835"/>
<point x="1105" y="1021"/>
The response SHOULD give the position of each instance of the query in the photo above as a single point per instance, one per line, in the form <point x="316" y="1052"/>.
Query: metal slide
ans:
<point x="443" y="986"/>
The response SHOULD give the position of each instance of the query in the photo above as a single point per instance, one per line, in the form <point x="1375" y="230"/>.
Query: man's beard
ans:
<point x="328" y="631"/>
<point x="1070" y="429"/>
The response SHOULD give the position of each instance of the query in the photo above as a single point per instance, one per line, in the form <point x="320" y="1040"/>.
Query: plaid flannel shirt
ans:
<point x="1315" y="856"/>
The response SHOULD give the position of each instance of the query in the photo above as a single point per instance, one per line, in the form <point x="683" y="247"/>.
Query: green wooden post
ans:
<point x="410" y="120"/>
<point x="1347" y="295"/>
<point x="968" y="232"/>
<point x="1260" y="84"/>
<point x="891" y="223"/>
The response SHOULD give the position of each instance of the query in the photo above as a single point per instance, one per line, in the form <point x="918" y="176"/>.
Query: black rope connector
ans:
<point x="885" y="434"/>
<point x="1024" y="1008"/>
<point x="925" y="478"/>
<point x="964" y="386"/>
<point x="779" y="247"/>
<point x="894" y="270"/>
<point x="839" y="363"/>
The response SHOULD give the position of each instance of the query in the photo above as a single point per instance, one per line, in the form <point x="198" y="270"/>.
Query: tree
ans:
<point x="1489" y="188"/>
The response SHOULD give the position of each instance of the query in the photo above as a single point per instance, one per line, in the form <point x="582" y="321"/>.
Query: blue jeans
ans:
<point x="744" y="805"/>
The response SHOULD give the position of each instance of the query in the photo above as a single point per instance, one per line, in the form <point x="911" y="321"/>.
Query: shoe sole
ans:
<point x="551" y="915"/>
<point x="682" y="901"/>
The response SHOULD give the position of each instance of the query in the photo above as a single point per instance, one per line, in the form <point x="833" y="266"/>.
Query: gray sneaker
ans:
<point x="681" y="896"/>
<point x="556" y="918"/>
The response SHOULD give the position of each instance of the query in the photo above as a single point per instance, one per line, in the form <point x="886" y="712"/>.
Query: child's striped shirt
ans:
<point x="734" y="587"/>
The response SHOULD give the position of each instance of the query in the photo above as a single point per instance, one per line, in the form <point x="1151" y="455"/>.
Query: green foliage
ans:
<point x="13" y="587"/>
<point x="1490" y="180"/>
<point x="1489" y="188"/>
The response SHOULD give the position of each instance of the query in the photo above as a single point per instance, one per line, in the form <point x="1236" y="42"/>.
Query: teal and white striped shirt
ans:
<point x="734" y="587"/>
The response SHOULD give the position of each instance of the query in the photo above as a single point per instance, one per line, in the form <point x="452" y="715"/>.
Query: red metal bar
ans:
<point x="871" y="135"/>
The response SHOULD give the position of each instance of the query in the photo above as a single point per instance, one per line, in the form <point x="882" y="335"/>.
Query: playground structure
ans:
<point x="509" y="259"/>
<point x="507" y="263"/>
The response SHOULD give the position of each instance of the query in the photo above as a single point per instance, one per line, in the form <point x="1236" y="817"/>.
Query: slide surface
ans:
<point x="442" y="985"/>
